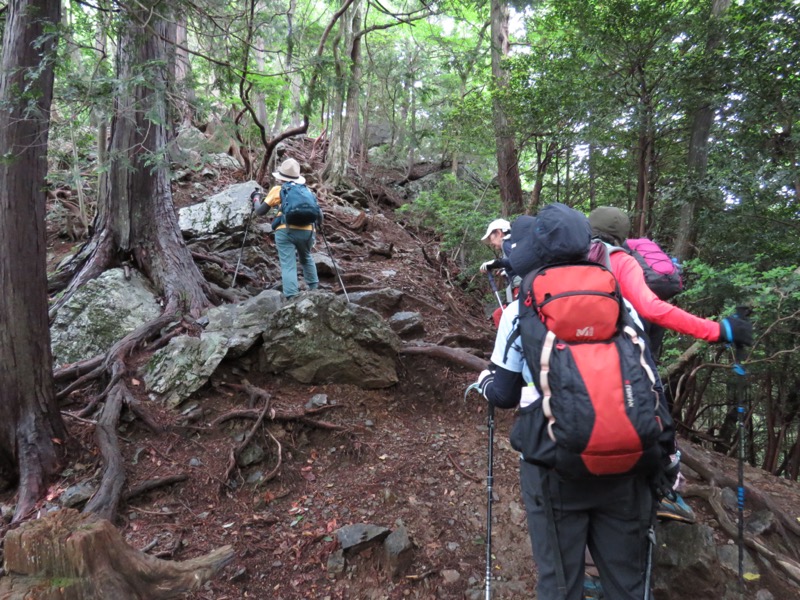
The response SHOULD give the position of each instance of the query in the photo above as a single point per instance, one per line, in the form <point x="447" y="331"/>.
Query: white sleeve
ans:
<point x="513" y="360"/>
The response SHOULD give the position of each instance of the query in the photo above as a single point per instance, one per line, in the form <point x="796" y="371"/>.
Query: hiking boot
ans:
<point x="592" y="590"/>
<point x="675" y="510"/>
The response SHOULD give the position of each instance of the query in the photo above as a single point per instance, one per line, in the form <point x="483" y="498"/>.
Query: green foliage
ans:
<point x="459" y="216"/>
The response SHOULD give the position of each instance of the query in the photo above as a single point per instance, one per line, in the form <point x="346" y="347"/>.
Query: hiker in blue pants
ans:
<point x="293" y="242"/>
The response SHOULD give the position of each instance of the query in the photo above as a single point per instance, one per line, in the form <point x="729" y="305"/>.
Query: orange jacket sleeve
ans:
<point x="649" y="306"/>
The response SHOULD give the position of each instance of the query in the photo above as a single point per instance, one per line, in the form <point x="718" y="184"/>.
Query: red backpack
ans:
<point x="602" y="410"/>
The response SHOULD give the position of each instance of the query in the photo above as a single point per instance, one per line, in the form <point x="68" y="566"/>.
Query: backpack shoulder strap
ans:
<point x="513" y="337"/>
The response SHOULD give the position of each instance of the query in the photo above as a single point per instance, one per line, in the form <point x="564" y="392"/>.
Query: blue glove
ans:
<point x="485" y="379"/>
<point x="736" y="331"/>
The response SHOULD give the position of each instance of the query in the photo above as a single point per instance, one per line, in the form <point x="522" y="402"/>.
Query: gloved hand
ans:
<point x="736" y="331"/>
<point x="485" y="379"/>
<point x="489" y="264"/>
<point x="663" y="482"/>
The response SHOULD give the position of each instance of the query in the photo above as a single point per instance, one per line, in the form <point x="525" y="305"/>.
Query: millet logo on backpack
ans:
<point x="629" y="394"/>
<point x="584" y="332"/>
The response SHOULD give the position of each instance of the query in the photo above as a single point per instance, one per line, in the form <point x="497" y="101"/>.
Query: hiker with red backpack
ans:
<point x="592" y="426"/>
<point x="294" y="225"/>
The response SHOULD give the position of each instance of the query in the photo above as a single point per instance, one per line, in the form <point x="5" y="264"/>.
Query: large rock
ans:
<point x="186" y="363"/>
<point x="383" y="301"/>
<point x="226" y="211"/>
<point x="184" y="366"/>
<point x="686" y="564"/>
<point x="99" y="314"/>
<point x="243" y="323"/>
<point x="320" y="338"/>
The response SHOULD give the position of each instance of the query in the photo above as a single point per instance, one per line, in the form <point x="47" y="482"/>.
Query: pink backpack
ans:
<point x="662" y="273"/>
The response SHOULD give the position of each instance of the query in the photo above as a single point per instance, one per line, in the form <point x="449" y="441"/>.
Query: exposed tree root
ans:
<point x="716" y="477"/>
<point x="152" y="484"/>
<point x="105" y="501"/>
<point x="454" y="355"/>
<point x="236" y="452"/>
<point x="303" y="416"/>
<point x="69" y="556"/>
<point x="77" y="369"/>
<point x="713" y="495"/>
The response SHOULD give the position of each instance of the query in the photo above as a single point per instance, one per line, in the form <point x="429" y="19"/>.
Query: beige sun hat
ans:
<point x="289" y="171"/>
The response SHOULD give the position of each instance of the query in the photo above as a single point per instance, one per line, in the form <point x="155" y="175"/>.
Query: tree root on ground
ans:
<point x="718" y="478"/>
<point x="453" y="355"/>
<point x="71" y="556"/>
<point x="303" y="416"/>
<point x="713" y="495"/>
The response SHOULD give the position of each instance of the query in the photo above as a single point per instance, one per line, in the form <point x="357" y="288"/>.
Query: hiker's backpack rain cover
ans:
<point x="299" y="205"/>
<point x="601" y="410"/>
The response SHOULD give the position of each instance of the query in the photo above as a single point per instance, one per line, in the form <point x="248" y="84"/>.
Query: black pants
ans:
<point x="611" y="516"/>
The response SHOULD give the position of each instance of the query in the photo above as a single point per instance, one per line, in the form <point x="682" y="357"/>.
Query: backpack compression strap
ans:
<point x="544" y="370"/>
<point x="639" y="342"/>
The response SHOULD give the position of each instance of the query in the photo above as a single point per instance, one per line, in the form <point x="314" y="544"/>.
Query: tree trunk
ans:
<point x="507" y="166"/>
<point x="345" y="115"/>
<point x="544" y="156"/>
<point x="30" y="421"/>
<point x="99" y="116"/>
<point x="183" y="73"/>
<point x="136" y="217"/>
<point x="70" y="556"/>
<point x="697" y="158"/>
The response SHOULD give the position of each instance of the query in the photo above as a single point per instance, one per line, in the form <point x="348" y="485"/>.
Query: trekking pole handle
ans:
<point x="494" y="289"/>
<point x="743" y="312"/>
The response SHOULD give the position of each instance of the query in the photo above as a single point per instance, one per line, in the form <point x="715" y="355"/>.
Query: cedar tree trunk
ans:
<point x="507" y="166"/>
<point x="136" y="218"/>
<point x="30" y="421"/>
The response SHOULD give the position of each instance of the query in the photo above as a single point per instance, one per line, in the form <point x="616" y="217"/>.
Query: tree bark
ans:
<point x="345" y="106"/>
<point x="697" y="158"/>
<point x="30" y="422"/>
<point x="507" y="165"/>
<point x="136" y="218"/>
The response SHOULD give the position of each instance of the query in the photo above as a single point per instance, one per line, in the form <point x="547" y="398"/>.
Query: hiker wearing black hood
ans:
<point x="610" y="514"/>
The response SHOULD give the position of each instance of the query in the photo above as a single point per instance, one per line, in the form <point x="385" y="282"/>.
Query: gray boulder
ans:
<point x="243" y="323"/>
<point x="383" y="301"/>
<point x="407" y="324"/>
<point x="182" y="367"/>
<point x="686" y="564"/>
<point x="99" y="314"/>
<point x="226" y="211"/>
<point x="186" y="363"/>
<point x="320" y="338"/>
<point x="325" y="266"/>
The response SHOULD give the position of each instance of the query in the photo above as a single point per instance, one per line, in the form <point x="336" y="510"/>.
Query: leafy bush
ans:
<point x="459" y="216"/>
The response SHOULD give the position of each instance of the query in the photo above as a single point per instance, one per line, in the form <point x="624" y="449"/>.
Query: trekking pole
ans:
<point x="244" y="240"/>
<point x="743" y="312"/>
<point x="494" y="289"/>
<point x="651" y="542"/>
<point x="335" y="268"/>
<point x="489" y="482"/>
